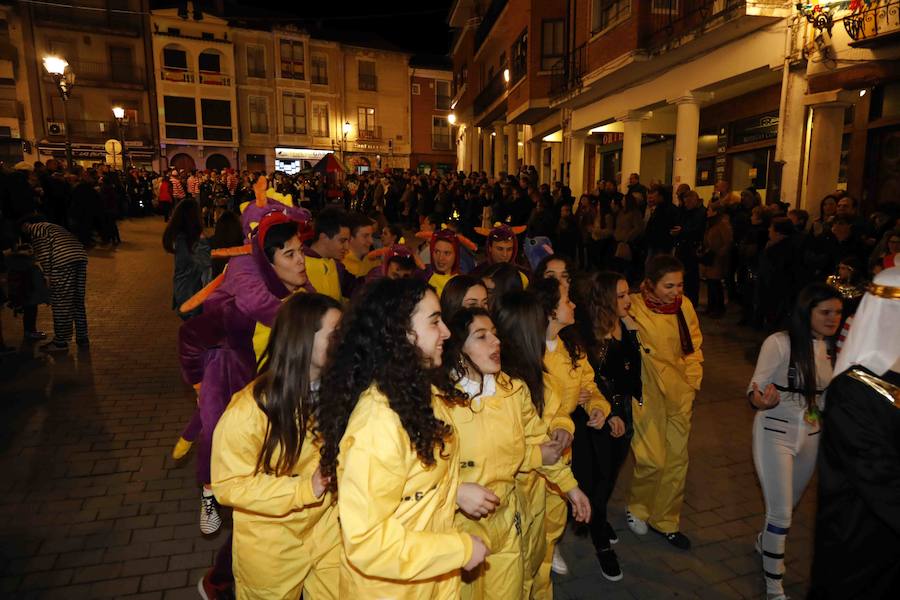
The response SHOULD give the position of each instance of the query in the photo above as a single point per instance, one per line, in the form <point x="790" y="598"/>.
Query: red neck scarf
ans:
<point x="672" y="308"/>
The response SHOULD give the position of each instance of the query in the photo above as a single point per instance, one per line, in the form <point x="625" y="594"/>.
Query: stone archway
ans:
<point x="182" y="162"/>
<point x="217" y="162"/>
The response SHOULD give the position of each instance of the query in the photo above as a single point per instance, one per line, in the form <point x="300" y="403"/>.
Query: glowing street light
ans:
<point x="58" y="69"/>
<point x="55" y="65"/>
<point x="506" y="75"/>
<point x="451" y="118"/>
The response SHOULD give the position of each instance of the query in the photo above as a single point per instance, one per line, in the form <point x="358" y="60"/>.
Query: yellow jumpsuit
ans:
<point x="439" y="280"/>
<point x="285" y="539"/>
<point x="566" y="382"/>
<point x="399" y="540"/>
<point x="359" y="267"/>
<point x="500" y="435"/>
<point x="662" y="425"/>
<point x="324" y="277"/>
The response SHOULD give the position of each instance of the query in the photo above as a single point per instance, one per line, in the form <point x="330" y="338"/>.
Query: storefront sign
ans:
<point x="755" y="129"/>
<point x="611" y="137"/>
<point x="300" y="153"/>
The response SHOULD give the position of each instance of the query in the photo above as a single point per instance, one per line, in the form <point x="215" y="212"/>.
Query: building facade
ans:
<point x="745" y="91"/>
<point x="17" y="134"/>
<point x="106" y="46"/>
<point x="193" y="63"/>
<point x="433" y="135"/>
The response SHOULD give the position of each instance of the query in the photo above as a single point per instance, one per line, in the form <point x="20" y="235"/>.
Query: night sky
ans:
<point x="417" y="27"/>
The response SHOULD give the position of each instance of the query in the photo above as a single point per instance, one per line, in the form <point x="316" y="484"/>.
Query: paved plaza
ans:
<point x="93" y="506"/>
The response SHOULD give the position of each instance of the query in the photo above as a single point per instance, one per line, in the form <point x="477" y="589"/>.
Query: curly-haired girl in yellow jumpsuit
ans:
<point x="387" y="435"/>
<point x="500" y="434"/>
<point x="671" y="371"/>
<point x="265" y="464"/>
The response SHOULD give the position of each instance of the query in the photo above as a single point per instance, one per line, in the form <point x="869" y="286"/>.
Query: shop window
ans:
<point x="706" y="172"/>
<point x="606" y="13"/>
<point x="750" y="169"/>
<point x="552" y="43"/>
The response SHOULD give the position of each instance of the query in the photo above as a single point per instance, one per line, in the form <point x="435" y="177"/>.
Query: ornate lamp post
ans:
<point x="64" y="78"/>
<point x="345" y="131"/>
<point x="119" y="114"/>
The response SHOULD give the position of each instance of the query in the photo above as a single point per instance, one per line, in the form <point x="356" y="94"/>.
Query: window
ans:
<point x="256" y="61"/>
<point x="294" y="112"/>
<point x="210" y="62"/>
<point x="216" y="119"/>
<point x="664" y="7"/>
<point x="442" y="95"/>
<point x="292" y="61"/>
<point x="367" y="78"/>
<point x="365" y="117"/>
<point x="552" y="44"/>
<point x="606" y="13"/>
<point x="121" y="64"/>
<point x="319" y="69"/>
<point x="320" y="119"/>
<point x="416" y="89"/>
<point x="174" y="58"/>
<point x="180" y="117"/>
<point x="440" y="133"/>
<point x="519" y="57"/>
<point x="259" y="118"/>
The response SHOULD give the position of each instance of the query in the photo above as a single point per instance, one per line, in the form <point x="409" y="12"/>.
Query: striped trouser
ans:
<point x="784" y="453"/>
<point x="67" y="287"/>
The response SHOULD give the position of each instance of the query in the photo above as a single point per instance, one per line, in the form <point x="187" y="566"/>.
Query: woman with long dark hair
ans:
<point x="463" y="291"/>
<point x="597" y="454"/>
<point x="671" y="373"/>
<point x="501" y="279"/>
<point x="500" y="434"/>
<point x="792" y="370"/>
<point x="570" y="375"/>
<point x="184" y="238"/>
<point x="265" y="463"/>
<point x="389" y="445"/>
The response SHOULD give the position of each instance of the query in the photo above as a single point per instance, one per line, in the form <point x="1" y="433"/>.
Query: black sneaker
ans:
<point x="676" y="538"/>
<point x="609" y="564"/>
<point x="610" y="534"/>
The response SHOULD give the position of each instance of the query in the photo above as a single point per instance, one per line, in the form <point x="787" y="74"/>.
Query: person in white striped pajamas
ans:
<point x="64" y="262"/>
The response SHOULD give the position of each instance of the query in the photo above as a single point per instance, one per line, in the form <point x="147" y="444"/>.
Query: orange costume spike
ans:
<point x="259" y="189"/>
<point x="200" y="297"/>
<point x="233" y="251"/>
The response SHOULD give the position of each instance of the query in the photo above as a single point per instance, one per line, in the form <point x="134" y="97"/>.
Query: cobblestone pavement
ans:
<point x="93" y="506"/>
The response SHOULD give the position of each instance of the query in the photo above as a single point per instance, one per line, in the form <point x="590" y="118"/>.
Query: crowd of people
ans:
<point x="453" y="386"/>
<point x="407" y="384"/>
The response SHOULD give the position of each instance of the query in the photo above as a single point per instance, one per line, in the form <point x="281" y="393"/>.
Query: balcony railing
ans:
<point x="369" y="134"/>
<point x="491" y="92"/>
<point x="866" y="25"/>
<point x="368" y="82"/>
<point x="106" y="72"/>
<point x="667" y="16"/>
<point x="98" y="130"/>
<point x="565" y="76"/>
<point x="487" y="22"/>
<point x="78" y="18"/>
<point x="211" y="78"/>
<point x="176" y="75"/>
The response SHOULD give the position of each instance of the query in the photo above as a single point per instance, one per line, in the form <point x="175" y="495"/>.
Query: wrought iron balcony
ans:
<point x="211" y="78"/>
<point x="97" y="130"/>
<point x="870" y="24"/>
<point x="108" y="72"/>
<point x="489" y="94"/>
<point x="565" y="76"/>
<point x="369" y="134"/>
<point x="667" y="16"/>
<point x="176" y="75"/>
<point x="487" y="22"/>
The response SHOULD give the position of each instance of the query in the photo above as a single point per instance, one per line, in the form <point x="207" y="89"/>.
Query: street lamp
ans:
<point x="345" y="131"/>
<point x="64" y="78"/>
<point x="451" y="118"/>
<point x="119" y="114"/>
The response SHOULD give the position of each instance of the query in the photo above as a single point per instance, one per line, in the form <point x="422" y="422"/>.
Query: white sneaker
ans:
<point x="210" y="521"/>
<point x="638" y="526"/>
<point x="559" y="565"/>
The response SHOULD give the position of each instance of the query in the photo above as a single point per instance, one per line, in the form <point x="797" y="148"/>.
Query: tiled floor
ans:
<point x="91" y="504"/>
